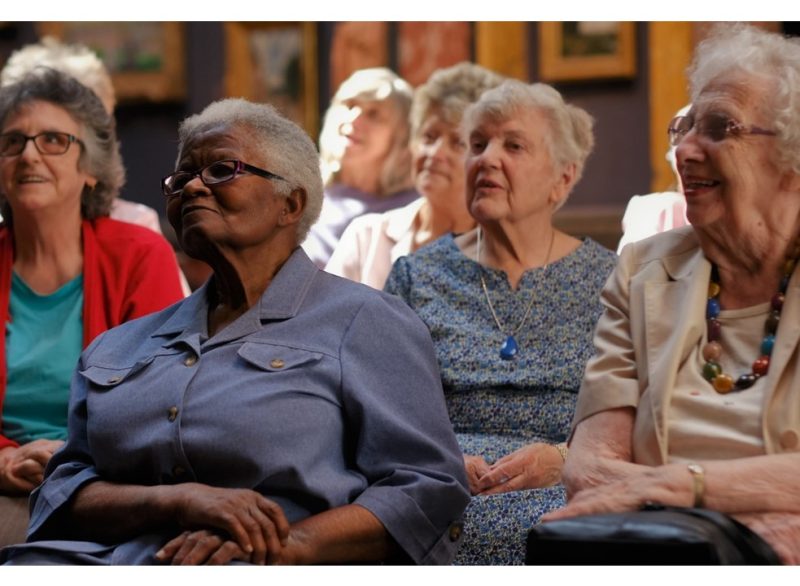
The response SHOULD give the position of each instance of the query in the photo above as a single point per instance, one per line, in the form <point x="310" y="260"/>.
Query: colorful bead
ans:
<point x="784" y="283"/>
<point x="712" y="351"/>
<point x="777" y="301"/>
<point x="714" y="330"/>
<point x="711" y="370"/>
<point x="746" y="381"/>
<point x="767" y="344"/>
<point x="723" y="383"/>
<point x="713" y="289"/>
<point x="761" y="365"/>
<point x="771" y="325"/>
<point x="788" y="266"/>
<point x="712" y="308"/>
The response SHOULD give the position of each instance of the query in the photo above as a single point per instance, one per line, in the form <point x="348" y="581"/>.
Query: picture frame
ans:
<point x="146" y="60"/>
<point x="276" y="63"/>
<point x="588" y="50"/>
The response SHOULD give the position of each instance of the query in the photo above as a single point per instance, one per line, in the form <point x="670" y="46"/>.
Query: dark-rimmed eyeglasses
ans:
<point x="47" y="143"/>
<point x="212" y="174"/>
<point x="715" y="127"/>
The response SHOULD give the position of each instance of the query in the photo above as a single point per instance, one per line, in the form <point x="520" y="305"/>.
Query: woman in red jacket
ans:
<point x="67" y="271"/>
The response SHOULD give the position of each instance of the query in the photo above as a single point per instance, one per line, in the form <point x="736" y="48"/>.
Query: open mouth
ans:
<point x="26" y="179"/>
<point x="486" y="184"/>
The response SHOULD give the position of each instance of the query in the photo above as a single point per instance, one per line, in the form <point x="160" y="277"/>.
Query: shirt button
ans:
<point x="789" y="439"/>
<point x="190" y="360"/>
<point x="114" y="380"/>
<point x="455" y="531"/>
<point x="178" y="471"/>
<point x="172" y="414"/>
<point x="277" y="363"/>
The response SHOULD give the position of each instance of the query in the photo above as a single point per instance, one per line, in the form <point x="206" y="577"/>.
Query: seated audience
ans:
<point x="654" y="213"/>
<point x="692" y="397"/>
<point x="268" y="418"/>
<point x="371" y="243"/>
<point x="366" y="164"/>
<point x="67" y="272"/>
<point x="511" y="307"/>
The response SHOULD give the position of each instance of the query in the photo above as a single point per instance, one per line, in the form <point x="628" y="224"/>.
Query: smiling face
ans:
<point x="242" y="213"/>
<point x="730" y="182"/>
<point x="368" y="131"/>
<point x="511" y="175"/>
<point x="32" y="182"/>
<point x="438" y="161"/>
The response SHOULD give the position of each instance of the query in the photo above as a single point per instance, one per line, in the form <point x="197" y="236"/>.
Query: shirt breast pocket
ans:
<point x="105" y="377"/>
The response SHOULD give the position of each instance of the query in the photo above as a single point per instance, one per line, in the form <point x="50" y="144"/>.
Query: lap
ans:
<point x="14" y="515"/>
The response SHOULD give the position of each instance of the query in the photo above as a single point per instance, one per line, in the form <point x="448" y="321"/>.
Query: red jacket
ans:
<point x="128" y="272"/>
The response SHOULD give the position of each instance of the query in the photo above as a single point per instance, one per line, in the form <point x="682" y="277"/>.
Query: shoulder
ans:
<point x="672" y="244"/>
<point x="123" y="238"/>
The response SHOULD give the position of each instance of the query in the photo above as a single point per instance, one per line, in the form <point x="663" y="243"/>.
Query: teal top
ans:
<point x="43" y="343"/>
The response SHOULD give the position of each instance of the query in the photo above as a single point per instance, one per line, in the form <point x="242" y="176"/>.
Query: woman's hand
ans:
<point x="532" y="466"/>
<point x="476" y="468"/>
<point x="203" y="547"/>
<point x="256" y="524"/>
<point x="22" y="468"/>
<point x="781" y="530"/>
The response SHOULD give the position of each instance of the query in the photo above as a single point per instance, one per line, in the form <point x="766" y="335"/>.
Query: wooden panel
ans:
<point x="503" y="47"/>
<point x="425" y="47"/>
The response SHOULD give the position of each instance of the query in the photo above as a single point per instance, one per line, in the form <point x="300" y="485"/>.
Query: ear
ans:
<point x="293" y="207"/>
<point x="563" y="184"/>
<point x="790" y="182"/>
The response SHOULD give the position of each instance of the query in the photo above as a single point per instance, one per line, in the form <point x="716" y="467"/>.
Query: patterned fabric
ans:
<point x="497" y="406"/>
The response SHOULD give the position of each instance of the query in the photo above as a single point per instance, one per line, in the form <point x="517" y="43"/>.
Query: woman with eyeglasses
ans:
<point x="67" y="272"/>
<point x="693" y="395"/>
<point x="278" y="415"/>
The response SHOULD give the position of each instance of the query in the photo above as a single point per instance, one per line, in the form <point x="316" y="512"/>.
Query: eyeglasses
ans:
<point x="212" y="174"/>
<point x="47" y="143"/>
<point x="715" y="127"/>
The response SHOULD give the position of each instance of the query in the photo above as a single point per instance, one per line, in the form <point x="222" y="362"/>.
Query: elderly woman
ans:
<point x="511" y="307"/>
<point x="373" y="242"/>
<point x="67" y="272"/>
<point x="693" y="395"/>
<point x="366" y="164"/>
<point x="266" y="418"/>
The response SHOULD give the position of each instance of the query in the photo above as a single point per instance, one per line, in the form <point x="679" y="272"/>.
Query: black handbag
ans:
<point x="654" y="535"/>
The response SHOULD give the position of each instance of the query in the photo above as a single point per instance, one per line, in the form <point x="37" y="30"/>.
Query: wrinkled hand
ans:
<point x="532" y="466"/>
<point x="256" y="524"/>
<point x="476" y="468"/>
<point x="781" y="530"/>
<point x="22" y="468"/>
<point x="203" y="547"/>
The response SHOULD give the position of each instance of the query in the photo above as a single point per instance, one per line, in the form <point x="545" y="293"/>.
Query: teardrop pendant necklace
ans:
<point x="510" y="348"/>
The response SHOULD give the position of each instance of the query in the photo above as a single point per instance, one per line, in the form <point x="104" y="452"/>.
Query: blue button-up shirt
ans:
<point x="324" y="393"/>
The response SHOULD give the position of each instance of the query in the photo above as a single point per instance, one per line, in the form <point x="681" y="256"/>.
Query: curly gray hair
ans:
<point x="570" y="139"/>
<point x="287" y="147"/>
<point x="736" y="50"/>
<point x="100" y="156"/>
<point x="449" y="91"/>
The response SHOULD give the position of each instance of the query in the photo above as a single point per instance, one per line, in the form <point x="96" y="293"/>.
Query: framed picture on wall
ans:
<point x="275" y="62"/>
<point x="578" y="51"/>
<point x="146" y="59"/>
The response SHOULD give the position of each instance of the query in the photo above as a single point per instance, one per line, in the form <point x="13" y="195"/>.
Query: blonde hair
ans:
<point x="375" y="84"/>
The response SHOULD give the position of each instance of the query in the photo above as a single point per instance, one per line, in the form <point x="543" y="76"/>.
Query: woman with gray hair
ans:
<point x="511" y="307"/>
<point x="267" y="418"/>
<point x="366" y="164"/>
<point x="693" y="395"/>
<point x="67" y="272"/>
<point x="371" y="243"/>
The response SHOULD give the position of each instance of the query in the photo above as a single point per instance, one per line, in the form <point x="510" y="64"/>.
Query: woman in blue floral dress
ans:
<point x="511" y="307"/>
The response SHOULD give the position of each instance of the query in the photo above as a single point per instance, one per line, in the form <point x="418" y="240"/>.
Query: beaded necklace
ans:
<point x="712" y="371"/>
<point x="510" y="347"/>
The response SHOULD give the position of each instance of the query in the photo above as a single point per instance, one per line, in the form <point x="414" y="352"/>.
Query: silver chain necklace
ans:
<point x="510" y="348"/>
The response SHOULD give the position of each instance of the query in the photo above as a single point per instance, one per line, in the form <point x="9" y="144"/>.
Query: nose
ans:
<point x="690" y="148"/>
<point x="490" y="156"/>
<point x="194" y="187"/>
<point x="29" y="150"/>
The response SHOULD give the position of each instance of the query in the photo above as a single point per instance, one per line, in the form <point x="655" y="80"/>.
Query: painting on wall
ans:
<point x="146" y="59"/>
<point x="580" y="51"/>
<point x="276" y="63"/>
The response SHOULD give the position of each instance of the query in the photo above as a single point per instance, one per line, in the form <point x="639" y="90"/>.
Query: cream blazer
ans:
<point x="654" y="315"/>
